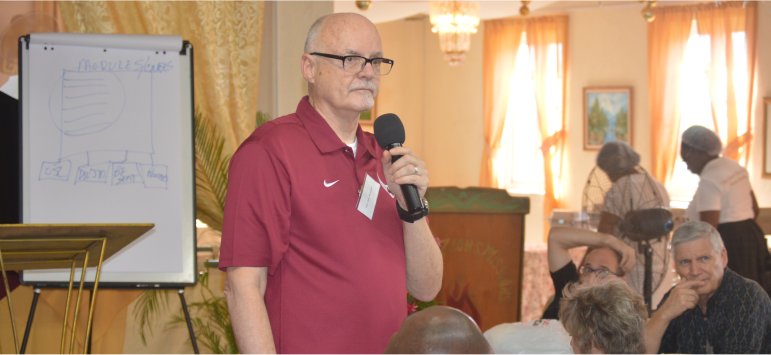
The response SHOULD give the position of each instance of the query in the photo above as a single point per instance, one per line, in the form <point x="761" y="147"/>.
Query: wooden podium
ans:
<point x="55" y="246"/>
<point x="482" y="241"/>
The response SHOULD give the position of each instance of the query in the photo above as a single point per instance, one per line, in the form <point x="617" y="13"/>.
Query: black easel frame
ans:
<point x="33" y="307"/>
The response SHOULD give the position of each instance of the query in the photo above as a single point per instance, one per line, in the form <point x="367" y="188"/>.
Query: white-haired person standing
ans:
<point x="311" y="268"/>
<point x="724" y="199"/>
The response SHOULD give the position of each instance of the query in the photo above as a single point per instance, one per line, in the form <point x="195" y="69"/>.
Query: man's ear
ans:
<point x="308" y="68"/>
<point x="724" y="257"/>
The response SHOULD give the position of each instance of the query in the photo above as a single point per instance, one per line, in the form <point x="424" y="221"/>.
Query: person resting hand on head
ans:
<point x="606" y="256"/>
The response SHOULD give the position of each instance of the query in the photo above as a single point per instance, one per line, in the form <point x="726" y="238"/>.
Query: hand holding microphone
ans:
<point x="402" y="167"/>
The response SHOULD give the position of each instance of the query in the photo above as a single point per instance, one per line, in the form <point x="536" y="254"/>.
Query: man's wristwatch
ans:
<point x="412" y="217"/>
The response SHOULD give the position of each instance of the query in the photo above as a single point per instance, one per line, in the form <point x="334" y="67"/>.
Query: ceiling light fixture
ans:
<point x="647" y="11"/>
<point x="454" y="21"/>
<point x="363" y="5"/>
<point x="524" y="10"/>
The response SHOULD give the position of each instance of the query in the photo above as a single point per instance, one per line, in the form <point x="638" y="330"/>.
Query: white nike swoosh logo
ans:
<point x="329" y="184"/>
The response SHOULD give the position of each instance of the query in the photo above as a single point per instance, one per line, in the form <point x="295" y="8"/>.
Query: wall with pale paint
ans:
<point x="285" y="27"/>
<point x="441" y="106"/>
<point x="607" y="47"/>
<point x="403" y="90"/>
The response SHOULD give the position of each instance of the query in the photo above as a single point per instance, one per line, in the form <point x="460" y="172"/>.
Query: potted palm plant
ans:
<point x="209" y="316"/>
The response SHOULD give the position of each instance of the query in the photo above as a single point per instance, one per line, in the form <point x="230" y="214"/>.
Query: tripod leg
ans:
<point x="27" y="329"/>
<point x="188" y="321"/>
<point x="648" y="281"/>
<point x="90" y="335"/>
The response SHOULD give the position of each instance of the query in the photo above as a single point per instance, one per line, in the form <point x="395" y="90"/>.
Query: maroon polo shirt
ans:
<point x="336" y="279"/>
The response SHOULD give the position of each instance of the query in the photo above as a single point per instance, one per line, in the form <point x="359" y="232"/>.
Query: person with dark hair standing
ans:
<point x="724" y="199"/>
<point x="10" y="154"/>
<point x="10" y="143"/>
<point x="633" y="189"/>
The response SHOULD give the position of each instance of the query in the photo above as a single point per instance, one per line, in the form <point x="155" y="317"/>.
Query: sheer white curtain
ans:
<point x="524" y="81"/>
<point x="702" y="61"/>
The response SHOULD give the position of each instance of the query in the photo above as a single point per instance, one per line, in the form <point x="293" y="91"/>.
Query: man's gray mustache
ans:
<point x="367" y="85"/>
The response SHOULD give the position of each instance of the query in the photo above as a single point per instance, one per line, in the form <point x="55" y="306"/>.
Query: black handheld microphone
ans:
<point x="389" y="132"/>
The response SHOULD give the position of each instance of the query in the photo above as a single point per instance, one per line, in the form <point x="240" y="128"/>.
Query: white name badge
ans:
<point x="368" y="196"/>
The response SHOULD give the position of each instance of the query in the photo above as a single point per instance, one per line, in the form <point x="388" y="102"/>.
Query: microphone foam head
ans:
<point x="389" y="130"/>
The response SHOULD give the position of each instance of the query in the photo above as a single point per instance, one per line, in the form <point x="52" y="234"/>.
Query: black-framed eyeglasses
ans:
<point x="600" y="271"/>
<point x="356" y="63"/>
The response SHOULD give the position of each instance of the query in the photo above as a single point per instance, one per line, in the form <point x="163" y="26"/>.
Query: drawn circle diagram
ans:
<point x="84" y="103"/>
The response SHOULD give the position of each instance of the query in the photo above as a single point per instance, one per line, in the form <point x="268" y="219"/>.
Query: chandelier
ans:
<point x="647" y="11"/>
<point x="454" y="21"/>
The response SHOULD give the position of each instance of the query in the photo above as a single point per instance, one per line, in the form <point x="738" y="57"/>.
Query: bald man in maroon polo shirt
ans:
<point x="317" y="257"/>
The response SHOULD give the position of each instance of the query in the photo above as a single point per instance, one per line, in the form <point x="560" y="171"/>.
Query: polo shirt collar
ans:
<point x="323" y="136"/>
<point x="367" y="141"/>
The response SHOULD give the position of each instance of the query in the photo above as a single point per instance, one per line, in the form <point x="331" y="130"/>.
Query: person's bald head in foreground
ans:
<point x="439" y="330"/>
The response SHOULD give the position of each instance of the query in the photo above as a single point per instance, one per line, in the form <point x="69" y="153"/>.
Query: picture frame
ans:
<point x="766" y="137"/>
<point x="607" y="115"/>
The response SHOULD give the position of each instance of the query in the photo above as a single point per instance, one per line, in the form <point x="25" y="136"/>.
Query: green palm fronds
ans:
<point x="211" y="321"/>
<point x="149" y="304"/>
<point x="211" y="173"/>
<point x="210" y="318"/>
<point x="262" y="117"/>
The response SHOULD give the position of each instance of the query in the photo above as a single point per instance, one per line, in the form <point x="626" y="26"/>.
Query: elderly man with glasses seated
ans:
<point x="318" y="258"/>
<point x="712" y="310"/>
<point x="606" y="256"/>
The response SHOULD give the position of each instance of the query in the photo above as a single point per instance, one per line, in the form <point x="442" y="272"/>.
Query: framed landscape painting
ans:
<point x="607" y="116"/>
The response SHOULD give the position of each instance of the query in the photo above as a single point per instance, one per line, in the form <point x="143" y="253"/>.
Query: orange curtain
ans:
<point x="502" y="38"/>
<point x="226" y="38"/>
<point x="667" y="37"/>
<point x="545" y="36"/>
<point x="730" y="104"/>
<point x="20" y="18"/>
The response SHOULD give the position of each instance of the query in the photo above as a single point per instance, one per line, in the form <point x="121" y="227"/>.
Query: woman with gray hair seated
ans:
<point x="724" y="199"/>
<point x="606" y="317"/>
<point x="633" y="189"/>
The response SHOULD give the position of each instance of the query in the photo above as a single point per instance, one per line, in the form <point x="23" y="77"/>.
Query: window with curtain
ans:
<point x="524" y="81"/>
<point x="524" y="71"/>
<point x="695" y="104"/>
<point x="701" y="62"/>
<point x="521" y="138"/>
